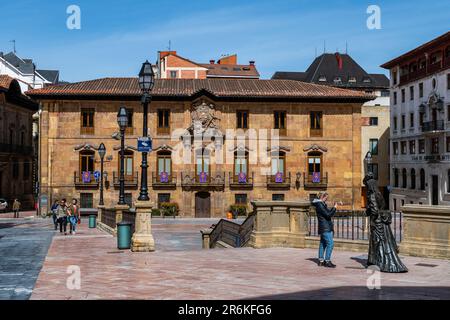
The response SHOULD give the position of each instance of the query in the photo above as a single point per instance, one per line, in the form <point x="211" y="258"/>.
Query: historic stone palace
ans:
<point x="216" y="142"/>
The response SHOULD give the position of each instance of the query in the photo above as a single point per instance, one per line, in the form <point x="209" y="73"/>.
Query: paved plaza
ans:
<point x="180" y="269"/>
<point x="23" y="247"/>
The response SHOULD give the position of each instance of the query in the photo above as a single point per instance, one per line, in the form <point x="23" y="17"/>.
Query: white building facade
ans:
<point x="24" y="71"/>
<point x="420" y="125"/>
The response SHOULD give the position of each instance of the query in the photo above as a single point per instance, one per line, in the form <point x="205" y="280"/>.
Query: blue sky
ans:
<point x="280" y="35"/>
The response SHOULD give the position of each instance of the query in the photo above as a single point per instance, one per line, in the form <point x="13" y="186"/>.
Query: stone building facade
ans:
<point x="420" y="125"/>
<point x="214" y="142"/>
<point x="16" y="144"/>
<point x="342" y="71"/>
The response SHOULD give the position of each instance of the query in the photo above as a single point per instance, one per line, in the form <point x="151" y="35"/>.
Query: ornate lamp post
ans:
<point x="122" y="120"/>
<point x="368" y="162"/>
<point x="102" y="153"/>
<point x="146" y="83"/>
<point x="142" y="240"/>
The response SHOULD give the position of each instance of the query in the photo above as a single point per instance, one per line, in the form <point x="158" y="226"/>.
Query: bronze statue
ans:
<point x="383" y="249"/>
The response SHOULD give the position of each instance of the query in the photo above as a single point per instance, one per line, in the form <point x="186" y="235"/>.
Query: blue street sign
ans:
<point x="144" y="144"/>
<point x="97" y="175"/>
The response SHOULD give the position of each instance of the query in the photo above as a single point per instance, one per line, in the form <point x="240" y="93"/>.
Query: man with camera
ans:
<point x="325" y="229"/>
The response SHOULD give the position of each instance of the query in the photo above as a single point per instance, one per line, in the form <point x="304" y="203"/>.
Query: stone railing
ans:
<point x="426" y="231"/>
<point x="108" y="218"/>
<point x="280" y="224"/>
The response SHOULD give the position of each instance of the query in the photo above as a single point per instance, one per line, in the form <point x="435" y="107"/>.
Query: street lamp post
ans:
<point x="142" y="240"/>
<point x="146" y="83"/>
<point x="101" y="152"/>
<point x="122" y="120"/>
<point x="367" y="162"/>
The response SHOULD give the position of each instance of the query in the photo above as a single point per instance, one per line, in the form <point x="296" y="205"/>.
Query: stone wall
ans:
<point x="426" y="231"/>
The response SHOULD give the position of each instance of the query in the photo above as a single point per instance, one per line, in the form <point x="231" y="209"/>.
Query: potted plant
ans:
<point x="238" y="210"/>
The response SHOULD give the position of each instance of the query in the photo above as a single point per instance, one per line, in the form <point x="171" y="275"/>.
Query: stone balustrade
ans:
<point x="426" y="231"/>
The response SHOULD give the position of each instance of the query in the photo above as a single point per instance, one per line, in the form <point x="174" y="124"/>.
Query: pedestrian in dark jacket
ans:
<point x="325" y="229"/>
<point x="54" y="210"/>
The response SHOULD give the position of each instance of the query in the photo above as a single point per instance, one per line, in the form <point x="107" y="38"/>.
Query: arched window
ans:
<point x="404" y="179"/>
<point x="202" y="164"/>
<point x="422" y="179"/>
<point x="240" y="164"/>
<point x="128" y="164"/>
<point x="396" y="178"/>
<point x="413" y="178"/>
<point x="87" y="164"/>
<point x="164" y="163"/>
<point x="278" y="162"/>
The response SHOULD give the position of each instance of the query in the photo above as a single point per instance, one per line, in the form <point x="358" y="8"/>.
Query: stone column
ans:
<point x="142" y="240"/>
<point x="99" y="213"/>
<point x="119" y="214"/>
<point x="206" y="236"/>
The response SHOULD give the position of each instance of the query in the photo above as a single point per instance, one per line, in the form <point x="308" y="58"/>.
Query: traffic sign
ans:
<point x="144" y="144"/>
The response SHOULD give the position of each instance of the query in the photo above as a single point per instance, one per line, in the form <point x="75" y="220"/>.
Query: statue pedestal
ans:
<point x="142" y="240"/>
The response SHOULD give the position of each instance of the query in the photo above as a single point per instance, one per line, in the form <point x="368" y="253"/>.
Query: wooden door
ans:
<point x="202" y="205"/>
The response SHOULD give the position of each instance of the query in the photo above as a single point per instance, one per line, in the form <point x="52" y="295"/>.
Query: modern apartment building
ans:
<point x="420" y="130"/>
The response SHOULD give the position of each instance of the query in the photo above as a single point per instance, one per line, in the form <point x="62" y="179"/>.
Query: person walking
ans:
<point x="54" y="210"/>
<point x="325" y="229"/>
<point x="61" y="213"/>
<point x="74" y="215"/>
<point x="16" y="208"/>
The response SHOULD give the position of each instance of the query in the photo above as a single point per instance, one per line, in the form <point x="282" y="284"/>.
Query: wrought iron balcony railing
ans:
<point x="279" y="181"/>
<point x="163" y="181"/>
<point x="240" y="181"/>
<point x="131" y="181"/>
<point x="315" y="180"/>
<point x="430" y="126"/>
<point x="203" y="180"/>
<point x="85" y="180"/>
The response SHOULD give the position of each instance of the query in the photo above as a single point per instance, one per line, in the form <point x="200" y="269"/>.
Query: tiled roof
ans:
<point x="233" y="88"/>
<point x="231" y="70"/>
<point x="5" y="81"/>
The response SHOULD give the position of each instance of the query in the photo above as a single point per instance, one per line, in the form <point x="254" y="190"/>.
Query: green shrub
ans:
<point x="238" y="209"/>
<point x="169" y="209"/>
<point x="156" y="212"/>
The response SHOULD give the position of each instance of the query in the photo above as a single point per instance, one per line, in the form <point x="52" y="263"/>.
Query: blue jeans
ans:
<point x="326" y="244"/>
<point x="73" y="223"/>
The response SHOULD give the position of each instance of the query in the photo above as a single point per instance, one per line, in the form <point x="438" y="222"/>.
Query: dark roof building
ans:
<point x="338" y="70"/>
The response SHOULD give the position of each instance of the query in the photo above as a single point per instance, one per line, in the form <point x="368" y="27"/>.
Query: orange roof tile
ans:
<point x="5" y="81"/>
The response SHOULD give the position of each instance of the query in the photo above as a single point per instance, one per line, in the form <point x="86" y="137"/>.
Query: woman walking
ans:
<point x="74" y="216"/>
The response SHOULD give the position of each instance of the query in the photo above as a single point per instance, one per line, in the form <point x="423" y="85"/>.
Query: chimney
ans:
<point x="252" y="62"/>
<point x="212" y="61"/>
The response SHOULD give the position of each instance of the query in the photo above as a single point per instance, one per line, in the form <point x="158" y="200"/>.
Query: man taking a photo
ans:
<point x="325" y="229"/>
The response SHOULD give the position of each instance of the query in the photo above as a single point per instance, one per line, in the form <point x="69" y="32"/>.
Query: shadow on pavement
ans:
<point x="363" y="293"/>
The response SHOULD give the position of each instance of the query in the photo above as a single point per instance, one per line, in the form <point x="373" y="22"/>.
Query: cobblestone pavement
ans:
<point x="23" y="247"/>
<point x="173" y="273"/>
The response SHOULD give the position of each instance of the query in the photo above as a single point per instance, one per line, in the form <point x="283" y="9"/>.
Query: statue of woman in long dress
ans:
<point x="383" y="249"/>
